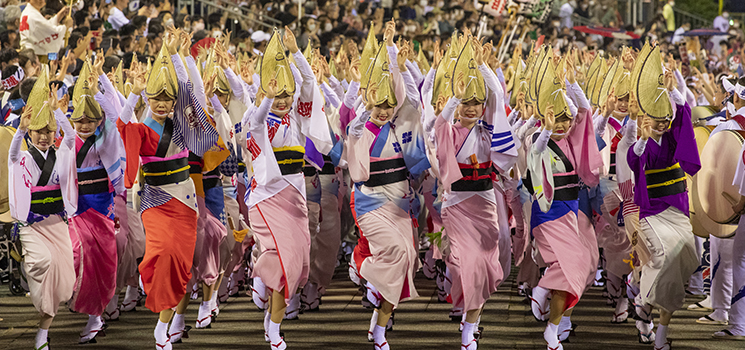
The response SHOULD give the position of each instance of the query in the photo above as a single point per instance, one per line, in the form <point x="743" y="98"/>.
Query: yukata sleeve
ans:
<point x="111" y="97"/>
<point x="446" y="148"/>
<point x="239" y="88"/>
<point x="196" y="81"/>
<point x="681" y="129"/>
<point x="310" y="115"/>
<point x="331" y="97"/>
<point x="337" y="87"/>
<point x="191" y="127"/>
<point x="358" y="154"/>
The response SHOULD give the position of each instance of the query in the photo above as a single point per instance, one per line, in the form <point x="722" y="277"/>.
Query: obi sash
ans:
<point x="665" y="182"/>
<point x="309" y="171"/>
<point x="211" y="179"/>
<point x="328" y="166"/>
<point x="386" y="172"/>
<point x="566" y="185"/>
<point x="93" y="181"/>
<point x="166" y="172"/>
<point x="196" y="163"/>
<point x="476" y="177"/>
<point x="290" y="159"/>
<point x="47" y="200"/>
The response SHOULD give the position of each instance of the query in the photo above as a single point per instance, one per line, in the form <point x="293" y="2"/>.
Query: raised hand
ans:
<point x="669" y="80"/>
<point x="646" y="127"/>
<point x="98" y="63"/>
<point x="209" y="85"/>
<point x="372" y="97"/>
<point x="438" y="55"/>
<point x="610" y="103"/>
<point x="26" y="118"/>
<point x="354" y="69"/>
<point x="290" y="41"/>
<point x="628" y="60"/>
<point x="402" y="56"/>
<point x="549" y="122"/>
<point x="478" y="51"/>
<point x="460" y="86"/>
<point x="53" y="101"/>
<point x="633" y="106"/>
<point x="442" y="100"/>
<point x="271" y="89"/>
<point x="185" y="44"/>
<point x="390" y="32"/>
<point x="247" y="71"/>
<point x="172" y="42"/>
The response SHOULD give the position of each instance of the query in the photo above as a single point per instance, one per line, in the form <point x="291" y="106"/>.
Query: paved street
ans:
<point x="342" y="323"/>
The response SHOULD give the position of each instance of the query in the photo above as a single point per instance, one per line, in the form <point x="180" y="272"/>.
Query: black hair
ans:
<point x="127" y="29"/>
<point x="138" y="21"/>
<point x="9" y="70"/>
<point x="125" y="42"/>
<point x="80" y="17"/>
<point x="110" y="63"/>
<point x="14" y="95"/>
<point x="25" y="88"/>
<point x="96" y="23"/>
<point x="7" y="55"/>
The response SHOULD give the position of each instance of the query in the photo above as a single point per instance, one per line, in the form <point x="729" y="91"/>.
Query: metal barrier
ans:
<point x="695" y="21"/>
<point x="209" y="7"/>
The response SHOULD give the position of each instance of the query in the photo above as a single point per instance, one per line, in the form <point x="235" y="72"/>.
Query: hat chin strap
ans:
<point x="85" y="134"/>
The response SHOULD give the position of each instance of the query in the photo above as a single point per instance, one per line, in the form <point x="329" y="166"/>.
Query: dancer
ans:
<point x="659" y="167"/>
<point x="278" y="212"/>
<point x="567" y="135"/>
<point x="100" y="176"/>
<point x="42" y="188"/>
<point x="469" y="210"/>
<point x="384" y="147"/>
<point x="175" y="125"/>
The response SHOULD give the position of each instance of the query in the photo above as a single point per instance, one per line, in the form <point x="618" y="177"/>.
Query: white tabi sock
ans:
<point x="161" y="335"/>
<point x="565" y="326"/>
<point x="177" y="325"/>
<point x="660" y="336"/>
<point x="213" y="300"/>
<point x="373" y="321"/>
<point x="551" y="334"/>
<point x="131" y="294"/>
<point x="113" y="303"/>
<point x="267" y="319"/>
<point x="204" y="316"/>
<point x="41" y="337"/>
<point x="273" y="333"/>
<point x="466" y="336"/>
<point x="379" y="335"/>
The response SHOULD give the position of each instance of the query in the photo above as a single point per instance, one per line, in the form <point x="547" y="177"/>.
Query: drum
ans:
<point x="702" y="136"/>
<point x="698" y="114"/>
<point x="719" y="160"/>
<point x="6" y="135"/>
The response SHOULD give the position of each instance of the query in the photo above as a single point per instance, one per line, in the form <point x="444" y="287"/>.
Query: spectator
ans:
<point x="566" y="15"/>
<point x="669" y="14"/>
<point x="41" y="35"/>
<point x="116" y="14"/>
<point x="12" y="17"/>
<point x="678" y="35"/>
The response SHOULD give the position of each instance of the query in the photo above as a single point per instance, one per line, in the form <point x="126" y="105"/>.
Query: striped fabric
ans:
<point x="627" y="193"/>
<point x="191" y="129"/>
<point x="152" y="196"/>
<point x="502" y="142"/>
